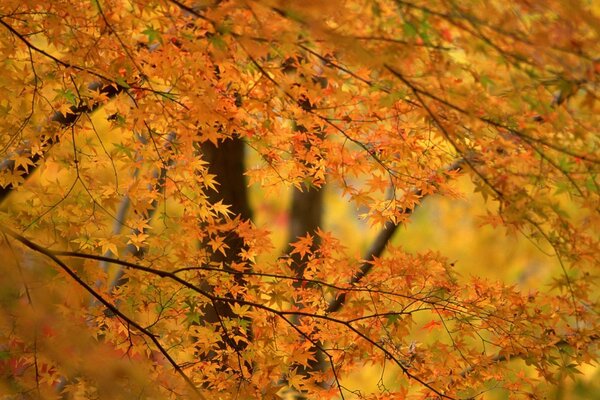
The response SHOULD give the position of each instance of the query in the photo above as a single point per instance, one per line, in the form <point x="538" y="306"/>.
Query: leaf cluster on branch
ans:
<point x="132" y="131"/>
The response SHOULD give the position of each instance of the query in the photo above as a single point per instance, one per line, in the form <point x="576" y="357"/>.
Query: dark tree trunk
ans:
<point x="226" y="162"/>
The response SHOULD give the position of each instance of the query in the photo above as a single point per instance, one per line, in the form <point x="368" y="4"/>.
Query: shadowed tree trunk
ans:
<point x="305" y="217"/>
<point x="226" y="162"/>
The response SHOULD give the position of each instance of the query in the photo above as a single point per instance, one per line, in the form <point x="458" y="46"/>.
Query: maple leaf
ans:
<point x="295" y="379"/>
<point x="108" y="247"/>
<point x="434" y="324"/>
<point x="302" y="357"/>
<point x="221" y="208"/>
<point x="65" y="108"/>
<point x="217" y="243"/>
<point x="303" y="245"/>
<point x="212" y="196"/>
<point x="23" y="163"/>
<point x="137" y="239"/>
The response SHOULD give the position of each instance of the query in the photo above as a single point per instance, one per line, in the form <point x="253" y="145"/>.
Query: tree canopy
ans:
<point x="133" y="132"/>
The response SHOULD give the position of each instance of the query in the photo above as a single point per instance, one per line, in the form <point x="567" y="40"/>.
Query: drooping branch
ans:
<point x="284" y="315"/>
<point x="115" y="310"/>
<point x="356" y="289"/>
<point x="499" y="125"/>
<point x="23" y="38"/>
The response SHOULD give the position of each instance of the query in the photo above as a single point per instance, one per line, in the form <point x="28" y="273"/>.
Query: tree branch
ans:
<point x="282" y="314"/>
<point x="37" y="248"/>
<point x="378" y="246"/>
<point x="109" y="90"/>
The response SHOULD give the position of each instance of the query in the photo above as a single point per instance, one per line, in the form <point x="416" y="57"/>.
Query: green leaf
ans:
<point x="486" y="82"/>
<point x="376" y="9"/>
<point x="68" y="95"/>
<point x="224" y="28"/>
<point x="392" y="319"/>
<point x="565" y="164"/>
<point x="424" y="29"/>
<point x="590" y="184"/>
<point x="120" y="148"/>
<point x="121" y="82"/>
<point x="218" y="42"/>
<point x="168" y="96"/>
<point x="153" y="35"/>
<point x="392" y="98"/>
<point x="409" y="30"/>
<point x="192" y="318"/>
<point x="572" y="370"/>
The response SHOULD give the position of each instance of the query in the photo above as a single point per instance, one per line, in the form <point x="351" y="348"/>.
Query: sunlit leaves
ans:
<point x="107" y="107"/>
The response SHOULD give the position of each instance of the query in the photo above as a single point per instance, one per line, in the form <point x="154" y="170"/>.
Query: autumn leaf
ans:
<point x="302" y="246"/>
<point x="237" y="199"/>
<point x="137" y="239"/>
<point x="431" y="325"/>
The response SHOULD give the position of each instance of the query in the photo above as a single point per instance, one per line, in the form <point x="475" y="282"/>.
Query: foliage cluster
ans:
<point x="131" y="252"/>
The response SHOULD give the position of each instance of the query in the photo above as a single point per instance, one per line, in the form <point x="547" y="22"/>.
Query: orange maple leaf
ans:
<point x="431" y="325"/>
